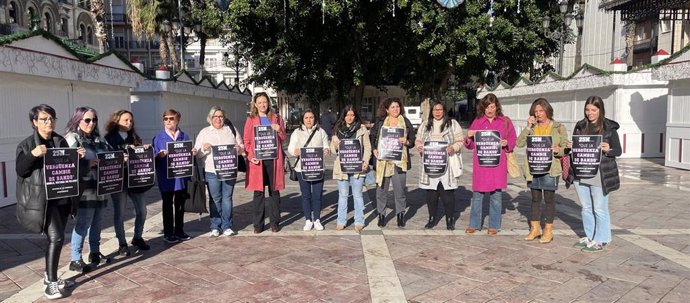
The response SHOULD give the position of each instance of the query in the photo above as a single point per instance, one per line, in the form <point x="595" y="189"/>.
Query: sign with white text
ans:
<point x="61" y="173"/>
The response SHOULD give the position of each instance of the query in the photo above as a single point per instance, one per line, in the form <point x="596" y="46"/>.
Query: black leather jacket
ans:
<point x="608" y="169"/>
<point x="31" y="192"/>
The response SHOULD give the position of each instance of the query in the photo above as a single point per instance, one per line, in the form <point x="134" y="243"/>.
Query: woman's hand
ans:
<point x="570" y="144"/>
<point x="336" y="141"/>
<point x="504" y="142"/>
<point x="82" y="152"/>
<point x="470" y="133"/>
<point x="39" y="151"/>
<point x="93" y="163"/>
<point x="365" y="165"/>
<point x="255" y="161"/>
<point x="555" y="148"/>
<point x="605" y="147"/>
<point x="275" y="127"/>
<point x="402" y="140"/>
<point x="296" y="151"/>
<point x="531" y="121"/>
<point x="450" y="150"/>
<point x="376" y="153"/>
<point x="206" y="146"/>
<point x="162" y="153"/>
<point x="420" y="148"/>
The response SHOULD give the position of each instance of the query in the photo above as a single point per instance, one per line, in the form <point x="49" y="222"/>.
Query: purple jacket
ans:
<point x="159" y="143"/>
<point x="488" y="179"/>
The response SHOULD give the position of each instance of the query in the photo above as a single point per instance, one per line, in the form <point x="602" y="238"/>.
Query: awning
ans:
<point x="636" y="10"/>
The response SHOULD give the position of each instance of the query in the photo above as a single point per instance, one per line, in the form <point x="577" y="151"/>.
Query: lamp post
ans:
<point x="562" y="33"/>
<point x="237" y="62"/>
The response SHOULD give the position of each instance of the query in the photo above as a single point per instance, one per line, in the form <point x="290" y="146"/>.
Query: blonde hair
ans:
<point x="213" y="110"/>
<point x="255" y="110"/>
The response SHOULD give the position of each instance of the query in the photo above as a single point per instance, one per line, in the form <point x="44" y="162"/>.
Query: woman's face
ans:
<point x="592" y="112"/>
<point x="540" y="114"/>
<point x="349" y="117"/>
<point x="438" y="112"/>
<point x="45" y="123"/>
<point x="308" y="120"/>
<point x="393" y="110"/>
<point x="170" y="122"/>
<point x="262" y="105"/>
<point x="490" y="111"/>
<point x="125" y="122"/>
<point x="217" y="119"/>
<point x="88" y="122"/>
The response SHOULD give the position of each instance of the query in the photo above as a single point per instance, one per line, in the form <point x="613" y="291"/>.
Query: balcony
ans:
<point x="117" y="18"/>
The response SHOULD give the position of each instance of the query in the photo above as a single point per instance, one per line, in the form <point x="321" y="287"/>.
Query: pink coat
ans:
<point x="254" y="180"/>
<point x="488" y="179"/>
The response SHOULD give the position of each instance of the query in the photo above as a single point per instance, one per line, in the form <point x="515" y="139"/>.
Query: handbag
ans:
<point x="293" y="173"/>
<point x="196" y="192"/>
<point x="513" y="167"/>
<point x="455" y="160"/>
<point x="241" y="161"/>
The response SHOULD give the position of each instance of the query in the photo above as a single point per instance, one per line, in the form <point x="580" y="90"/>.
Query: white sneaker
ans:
<point x="308" y="225"/>
<point x="214" y="233"/>
<point x="317" y="225"/>
<point x="229" y="232"/>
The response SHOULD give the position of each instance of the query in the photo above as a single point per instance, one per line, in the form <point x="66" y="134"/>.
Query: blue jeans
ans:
<point x="595" y="212"/>
<point x="88" y="221"/>
<point x="311" y="197"/>
<point x="220" y="201"/>
<point x="495" y="204"/>
<point x="119" y="201"/>
<point x="344" y="193"/>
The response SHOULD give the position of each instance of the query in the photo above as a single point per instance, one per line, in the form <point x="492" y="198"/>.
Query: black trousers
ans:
<point x="56" y="220"/>
<point x="270" y="204"/>
<point x="173" y="212"/>
<point x="446" y="196"/>
<point x="549" y="198"/>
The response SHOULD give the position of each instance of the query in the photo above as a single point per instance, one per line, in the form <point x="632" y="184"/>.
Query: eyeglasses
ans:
<point x="219" y="117"/>
<point x="438" y="109"/>
<point x="168" y="118"/>
<point x="89" y="120"/>
<point x="47" y="119"/>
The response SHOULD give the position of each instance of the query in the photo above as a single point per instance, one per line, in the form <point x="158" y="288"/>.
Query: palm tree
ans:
<point x="146" y="16"/>
<point x="98" y="11"/>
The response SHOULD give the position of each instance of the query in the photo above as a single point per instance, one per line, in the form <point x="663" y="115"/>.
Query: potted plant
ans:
<point x="162" y="72"/>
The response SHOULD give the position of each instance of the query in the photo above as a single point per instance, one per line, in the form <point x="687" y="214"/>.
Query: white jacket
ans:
<point x="299" y="138"/>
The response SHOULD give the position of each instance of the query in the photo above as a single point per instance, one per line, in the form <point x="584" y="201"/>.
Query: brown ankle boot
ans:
<point x="547" y="236"/>
<point x="535" y="231"/>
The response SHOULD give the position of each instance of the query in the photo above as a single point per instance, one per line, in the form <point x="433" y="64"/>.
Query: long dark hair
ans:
<point x="304" y="113"/>
<point x="446" y="120"/>
<point x="341" y="120"/>
<point x="599" y="124"/>
<point x="113" y="125"/>
<point x="73" y="123"/>
<point x="485" y="102"/>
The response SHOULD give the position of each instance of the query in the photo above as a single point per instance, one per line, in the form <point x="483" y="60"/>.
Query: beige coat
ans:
<point x="363" y="136"/>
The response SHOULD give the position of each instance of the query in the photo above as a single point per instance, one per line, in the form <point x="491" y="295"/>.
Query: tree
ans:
<point x="98" y="12"/>
<point x="147" y="18"/>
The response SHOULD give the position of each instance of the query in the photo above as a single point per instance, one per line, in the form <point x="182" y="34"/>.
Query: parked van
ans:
<point x="414" y="114"/>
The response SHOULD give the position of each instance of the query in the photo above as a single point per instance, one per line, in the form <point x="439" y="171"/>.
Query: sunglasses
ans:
<point x="168" y="118"/>
<point x="89" y="120"/>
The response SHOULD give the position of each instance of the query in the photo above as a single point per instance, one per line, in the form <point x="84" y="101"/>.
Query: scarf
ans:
<point x="348" y="132"/>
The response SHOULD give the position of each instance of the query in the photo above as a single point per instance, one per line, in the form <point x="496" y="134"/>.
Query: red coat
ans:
<point x="254" y="180"/>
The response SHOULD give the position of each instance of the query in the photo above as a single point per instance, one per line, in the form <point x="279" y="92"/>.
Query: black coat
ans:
<point x="411" y="136"/>
<point x="608" y="169"/>
<point x="31" y="193"/>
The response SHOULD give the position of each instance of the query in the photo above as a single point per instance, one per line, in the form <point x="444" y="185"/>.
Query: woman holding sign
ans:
<point x="213" y="143"/>
<point x="546" y="141"/>
<point x="491" y="135"/>
<point x="392" y="136"/>
<point x="82" y="131"/>
<point x="310" y="183"/>
<point x="173" y="189"/>
<point x="121" y="136"/>
<point x="35" y="211"/>
<point x="593" y="189"/>
<point x="441" y="137"/>
<point x="264" y="134"/>
<point x="351" y="142"/>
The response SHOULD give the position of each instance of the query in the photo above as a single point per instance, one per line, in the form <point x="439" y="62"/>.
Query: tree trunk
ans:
<point x="202" y="57"/>
<point x="629" y="42"/>
<point x="98" y="12"/>
<point x="171" y="48"/>
<point x="162" y="48"/>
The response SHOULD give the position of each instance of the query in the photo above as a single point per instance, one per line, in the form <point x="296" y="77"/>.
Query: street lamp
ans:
<point x="563" y="30"/>
<point x="237" y="63"/>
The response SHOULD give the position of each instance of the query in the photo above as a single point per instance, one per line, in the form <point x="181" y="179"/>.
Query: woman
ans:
<point x="439" y="127"/>
<point x="489" y="180"/>
<point x="594" y="192"/>
<point x="395" y="171"/>
<point x="540" y="123"/>
<point x="220" y="191"/>
<point x="34" y="211"/>
<point x="173" y="191"/>
<point x="262" y="173"/>
<point x="312" y="191"/>
<point x="349" y="126"/>
<point x="121" y="135"/>
<point x="82" y="131"/>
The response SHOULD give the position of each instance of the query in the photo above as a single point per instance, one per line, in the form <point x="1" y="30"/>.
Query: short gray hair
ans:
<point x="212" y="111"/>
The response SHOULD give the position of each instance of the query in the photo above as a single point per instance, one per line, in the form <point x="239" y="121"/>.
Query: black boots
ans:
<point x="401" y="219"/>
<point x="431" y="223"/>
<point x="450" y="223"/>
<point x="382" y="220"/>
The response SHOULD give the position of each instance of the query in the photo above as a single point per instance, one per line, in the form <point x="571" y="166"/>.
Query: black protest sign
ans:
<point x="390" y="147"/>
<point x="265" y="143"/>
<point x="311" y="163"/>
<point x="539" y="154"/>
<point x="350" y="156"/>
<point x="141" y="169"/>
<point x="488" y="146"/>
<point x="111" y="172"/>
<point x="61" y="173"/>
<point x="586" y="155"/>
<point x="180" y="159"/>
<point x="435" y="157"/>
<point x="225" y="161"/>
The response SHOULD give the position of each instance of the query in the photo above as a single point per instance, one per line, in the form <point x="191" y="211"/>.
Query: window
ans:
<point x="13" y="13"/>
<point x="32" y="15"/>
<point x="210" y="62"/>
<point x="49" y="23"/>
<point x="63" y="27"/>
<point x="119" y="41"/>
<point x="665" y="26"/>
<point x="89" y="35"/>
<point x="82" y="33"/>
<point x="190" y="63"/>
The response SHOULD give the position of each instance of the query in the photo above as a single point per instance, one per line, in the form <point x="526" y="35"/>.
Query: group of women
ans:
<point x="266" y="177"/>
